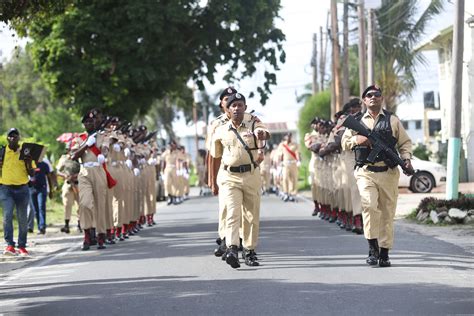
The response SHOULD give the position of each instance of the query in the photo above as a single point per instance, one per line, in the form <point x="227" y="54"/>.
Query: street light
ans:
<point x="470" y="22"/>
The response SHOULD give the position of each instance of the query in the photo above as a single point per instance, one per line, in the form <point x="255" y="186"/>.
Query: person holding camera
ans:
<point x="14" y="192"/>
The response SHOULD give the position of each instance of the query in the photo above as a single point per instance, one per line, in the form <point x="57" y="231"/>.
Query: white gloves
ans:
<point x="90" y="141"/>
<point x="127" y="152"/>
<point x="116" y="147"/>
<point x="101" y="158"/>
<point x="136" y="172"/>
<point x="152" y="161"/>
<point x="298" y="163"/>
<point x="129" y="163"/>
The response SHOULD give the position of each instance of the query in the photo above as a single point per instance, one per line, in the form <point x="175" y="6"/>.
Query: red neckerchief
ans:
<point x="291" y="152"/>
<point x="111" y="182"/>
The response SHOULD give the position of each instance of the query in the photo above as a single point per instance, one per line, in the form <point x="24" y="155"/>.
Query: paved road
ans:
<point x="308" y="267"/>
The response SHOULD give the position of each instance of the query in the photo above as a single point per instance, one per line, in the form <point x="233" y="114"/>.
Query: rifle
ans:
<point x="379" y="145"/>
<point x="148" y="137"/>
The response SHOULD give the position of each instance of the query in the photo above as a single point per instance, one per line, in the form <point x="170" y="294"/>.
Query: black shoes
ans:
<point x="85" y="246"/>
<point x="384" y="261"/>
<point x="250" y="257"/>
<point x="374" y="255"/>
<point x="221" y="249"/>
<point x="232" y="257"/>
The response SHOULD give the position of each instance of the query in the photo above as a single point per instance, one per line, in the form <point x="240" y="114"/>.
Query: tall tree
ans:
<point x="124" y="54"/>
<point x="400" y="26"/>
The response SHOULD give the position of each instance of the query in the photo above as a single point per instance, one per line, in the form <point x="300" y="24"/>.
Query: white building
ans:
<point x="442" y="43"/>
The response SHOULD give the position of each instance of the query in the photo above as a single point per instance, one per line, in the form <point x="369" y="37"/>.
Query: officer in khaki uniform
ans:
<point x="238" y="182"/>
<point x="69" y="170"/>
<point x="169" y="160"/>
<point x="378" y="183"/>
<point x="92" y="181"/>
<point x="213" y="169"/>
<point x="290" y="157"/>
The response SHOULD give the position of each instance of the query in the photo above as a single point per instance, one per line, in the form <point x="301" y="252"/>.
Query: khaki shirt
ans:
<point x="286" y="154"/>
<point x="226" y="145"/>
<point x="170" y="158"/>
<point x="404" y="144"/>
<point x="88" y="155"/>
<point x="68" y="166"/>
<point x="219" y="121"/>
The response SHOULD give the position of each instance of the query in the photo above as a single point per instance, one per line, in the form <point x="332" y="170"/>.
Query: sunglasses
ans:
<point x="376" y="94"/>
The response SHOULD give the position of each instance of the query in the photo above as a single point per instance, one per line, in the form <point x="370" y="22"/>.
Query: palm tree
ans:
<point x="400" y="27"/>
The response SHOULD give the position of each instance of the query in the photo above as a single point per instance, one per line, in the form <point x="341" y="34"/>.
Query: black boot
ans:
<point x="93" y="237"/>
<point x="87" y="241"/>
<point x="250" y="258"/>
<point x="232" y="257"/>
<point x="384" y="261"/>
<point x="221" y="249"/>
<point x="170" y="200"/>
<point x="373" y="257"/>
<point x="65" y="229"/>
<point x="79" y="229"/>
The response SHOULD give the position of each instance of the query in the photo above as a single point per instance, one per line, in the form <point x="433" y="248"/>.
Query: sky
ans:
<point x="300" y="19"/>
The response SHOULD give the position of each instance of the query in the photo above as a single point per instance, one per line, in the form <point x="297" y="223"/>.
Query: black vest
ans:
<point x="384" y="129"/>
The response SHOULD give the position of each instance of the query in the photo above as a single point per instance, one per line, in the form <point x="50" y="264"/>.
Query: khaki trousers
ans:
<point x="379" y="193"/>
<point x="150" y="194"/>
<point x="92" y="198"/>
<point x="128" y="203"/>
<point x="290" y="178"/>
<point x="171" y="180"/>
<point x="241" y="191"/>
<point x="69" y="196"/>
<point x="118" y="195"/>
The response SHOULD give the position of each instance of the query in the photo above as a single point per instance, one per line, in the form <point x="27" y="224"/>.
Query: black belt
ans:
<point x="239" y="169"/>
<point x="14" y="186"/>
<point x="377" y="168"/>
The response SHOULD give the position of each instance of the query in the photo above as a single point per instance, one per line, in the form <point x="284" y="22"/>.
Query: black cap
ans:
<point x="373" y="87"/>
<point x="235" y="97"/>
<point x="90" y="114"/>
<point x="351" y="104"/>
<point x="226" y="92"/>
<point x="13" y="130"/>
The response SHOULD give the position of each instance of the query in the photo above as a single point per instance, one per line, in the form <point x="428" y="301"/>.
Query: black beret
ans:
<point x="226" y="92"/>
<point x="90" y="114"/>
<point x="235" y="97"/>
<point x="352" y="103"/>
<point x="373" y="87"/>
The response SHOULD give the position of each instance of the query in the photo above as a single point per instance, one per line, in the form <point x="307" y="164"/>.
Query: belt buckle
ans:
<point x="241" y="169"/>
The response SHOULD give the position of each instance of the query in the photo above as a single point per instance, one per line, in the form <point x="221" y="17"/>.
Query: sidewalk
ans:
<point x="41" y="247"/>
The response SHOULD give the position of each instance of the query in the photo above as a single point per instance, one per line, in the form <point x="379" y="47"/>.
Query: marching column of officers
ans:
<point x="110" y="172"/>
<point x="333" y="184"/>
<point x="114" y="180"/>
<point x="111" y="175"/>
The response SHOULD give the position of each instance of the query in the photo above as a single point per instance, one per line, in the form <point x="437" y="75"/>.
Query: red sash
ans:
<point x="111" y="182"/>
<point x="291" y="152"/>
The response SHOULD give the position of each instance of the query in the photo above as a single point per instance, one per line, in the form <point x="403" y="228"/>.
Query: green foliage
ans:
<point x="400" y="28"/>
<point x="122" y="55"/>
<point x="464" y="202"/>
<point x="317" y="105"/>
<point x="420" y="151"/>
<point x="26" y="104"/>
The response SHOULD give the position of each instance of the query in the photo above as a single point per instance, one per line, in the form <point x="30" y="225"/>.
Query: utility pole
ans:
<point x="362" y="57"/>
<point x="314" y="64"/>
<point x="454" y="142"/>
<point x="322" y="59"/>
<point x="196" y="137"/>
<point x="370" y="48"/>
<point x="345" y="54"/>
<point x="336" y="64"/>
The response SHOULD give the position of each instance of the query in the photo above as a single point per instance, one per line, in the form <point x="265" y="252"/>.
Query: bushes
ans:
<point x="432" y="210"/>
